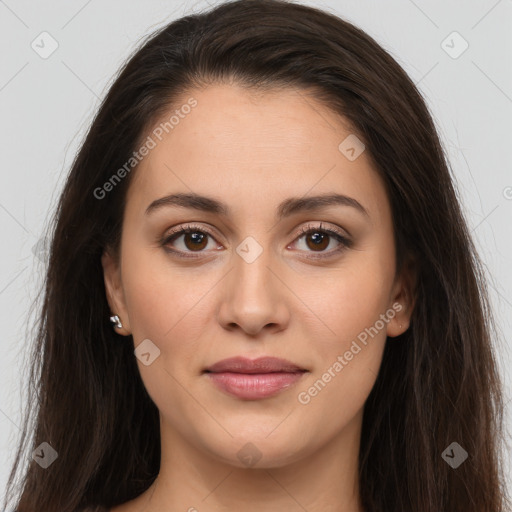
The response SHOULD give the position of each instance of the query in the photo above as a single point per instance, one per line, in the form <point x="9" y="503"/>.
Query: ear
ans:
<point x="114" y="290"/>
<point x="403" y="299"/>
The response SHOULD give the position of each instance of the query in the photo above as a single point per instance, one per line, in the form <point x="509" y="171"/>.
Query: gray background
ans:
<point x="46" y="105"/>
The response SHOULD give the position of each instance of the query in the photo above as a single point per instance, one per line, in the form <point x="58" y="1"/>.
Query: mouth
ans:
<point x="254" y="379"/>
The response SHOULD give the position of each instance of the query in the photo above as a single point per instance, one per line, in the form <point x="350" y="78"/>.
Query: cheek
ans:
<point x="165" y="307"/>
<point x="166" y="304"/>
<point x="149" y="289"/>
<point x="354" y="298"/>
<point x="348" y="300"/>
<point x="349" y="357"/>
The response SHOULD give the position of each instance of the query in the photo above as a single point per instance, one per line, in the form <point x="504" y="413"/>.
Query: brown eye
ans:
<point x="195" y="240"/>
<point x="319" y="240"/>
<point x="186" y="240"/>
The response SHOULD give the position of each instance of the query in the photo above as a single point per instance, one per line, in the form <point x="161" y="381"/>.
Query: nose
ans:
<point x="254" y="297"/>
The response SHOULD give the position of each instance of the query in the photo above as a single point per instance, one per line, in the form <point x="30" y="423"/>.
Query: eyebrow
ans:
<point x="286" y="208"/>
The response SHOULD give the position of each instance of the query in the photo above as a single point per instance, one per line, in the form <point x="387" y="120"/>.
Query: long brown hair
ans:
<point x="438" y="382"/>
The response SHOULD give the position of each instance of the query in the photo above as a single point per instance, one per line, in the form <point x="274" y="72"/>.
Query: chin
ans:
<point x="251" y="450"/>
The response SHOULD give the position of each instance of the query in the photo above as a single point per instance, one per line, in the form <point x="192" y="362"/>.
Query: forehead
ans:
<point x="239" y="143"/>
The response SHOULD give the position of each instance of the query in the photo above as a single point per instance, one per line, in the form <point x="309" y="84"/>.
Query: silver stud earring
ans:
<point x="115" y="320"/>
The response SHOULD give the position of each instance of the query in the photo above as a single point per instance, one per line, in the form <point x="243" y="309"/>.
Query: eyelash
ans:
<point x="345" y="243"/>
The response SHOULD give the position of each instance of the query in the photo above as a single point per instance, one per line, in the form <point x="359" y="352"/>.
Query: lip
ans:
<point x="254" y="379"/>
<point x="259" y="365"/>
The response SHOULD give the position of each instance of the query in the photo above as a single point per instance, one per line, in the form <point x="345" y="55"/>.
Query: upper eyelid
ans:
<point x="322" y="227"/>
<point x="303" y="230"/>
<point x="188" y="226"/>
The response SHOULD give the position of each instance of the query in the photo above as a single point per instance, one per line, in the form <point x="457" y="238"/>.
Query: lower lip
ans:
<point x="254" y="386"/>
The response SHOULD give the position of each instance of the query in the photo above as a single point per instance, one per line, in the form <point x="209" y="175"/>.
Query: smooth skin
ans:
<point x="299" y="300"/>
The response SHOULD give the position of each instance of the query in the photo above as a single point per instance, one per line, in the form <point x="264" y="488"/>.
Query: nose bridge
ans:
<point x="252" y="298"/>
<point x="252" y="276"/>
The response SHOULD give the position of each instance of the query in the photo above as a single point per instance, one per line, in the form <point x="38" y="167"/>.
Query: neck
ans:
<point x="325" y="478"/>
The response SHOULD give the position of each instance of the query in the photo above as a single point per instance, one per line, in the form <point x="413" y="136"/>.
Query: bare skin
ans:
<point x="252" y="152"/>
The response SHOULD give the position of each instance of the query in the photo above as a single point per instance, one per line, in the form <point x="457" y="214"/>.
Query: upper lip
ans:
<point x="260" y="365"/>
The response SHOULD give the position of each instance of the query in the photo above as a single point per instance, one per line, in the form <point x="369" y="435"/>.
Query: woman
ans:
<point x="262" y="293"/>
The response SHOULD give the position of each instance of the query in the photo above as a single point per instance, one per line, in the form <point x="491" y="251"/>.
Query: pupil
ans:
<point x="319" y="240"/>
<point x="195" y="239"/>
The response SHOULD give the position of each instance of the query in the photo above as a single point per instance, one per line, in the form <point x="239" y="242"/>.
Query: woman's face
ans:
<point x="245" y="282"/>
